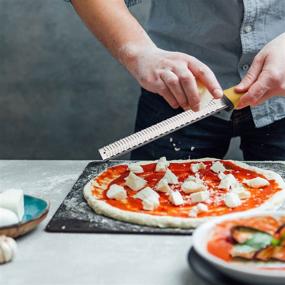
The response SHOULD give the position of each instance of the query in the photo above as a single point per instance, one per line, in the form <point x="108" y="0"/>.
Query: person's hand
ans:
<point x="266" y="76"/>
<point x="173" y="75"/>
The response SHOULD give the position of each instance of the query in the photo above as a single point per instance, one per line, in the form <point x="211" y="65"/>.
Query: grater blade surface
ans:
<point x="160" y="129"/>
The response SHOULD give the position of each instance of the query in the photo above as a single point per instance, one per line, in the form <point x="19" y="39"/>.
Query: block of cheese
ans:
<point x="150" y="198"/>
<point x="162" y="164"/>
<point x="256" y="182"/>
<point x="13" y="200"/>
<point x="162" y="186"/>
<point x="170" y="177"/>
<point x="232" y="200"/>
<point x="192" y="186"/>
<point x="116" y="192"/>
<point x="195" y="167"/>
<point x="135" y="182"/>
<point x="218" y="167"/>
<point x="205" y="96"/>
<point x="176" y="198"/>
<point x="200" y="196"/>
<point x="8" y="218"/>
<point x="135" y="168"/>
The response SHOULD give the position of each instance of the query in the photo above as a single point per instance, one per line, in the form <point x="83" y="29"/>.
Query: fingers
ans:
<point x="204" y="74"/>
<point x="256" y="92"/>
<point x="265" y="97"/>
<point x="169" y="97"/>
<point x="189" y="85"/>
<point x="252" y="74"/>
<point x="172" y="82"/>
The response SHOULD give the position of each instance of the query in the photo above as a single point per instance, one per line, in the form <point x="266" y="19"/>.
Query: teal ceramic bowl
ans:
<point x="36" y="210"/>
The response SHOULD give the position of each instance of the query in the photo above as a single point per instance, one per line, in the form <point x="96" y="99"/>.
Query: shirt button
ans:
<point x="245" y="67"/>
<point x="247" y="29"/>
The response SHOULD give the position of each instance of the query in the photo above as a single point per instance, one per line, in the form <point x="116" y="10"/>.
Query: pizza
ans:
<point x="182" y="193"/>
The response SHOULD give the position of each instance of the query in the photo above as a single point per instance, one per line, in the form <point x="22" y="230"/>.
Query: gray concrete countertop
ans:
<point x="70" y="259"/>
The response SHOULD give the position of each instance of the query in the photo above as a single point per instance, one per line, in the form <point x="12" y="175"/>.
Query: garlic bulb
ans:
<point x="8" y="249"/>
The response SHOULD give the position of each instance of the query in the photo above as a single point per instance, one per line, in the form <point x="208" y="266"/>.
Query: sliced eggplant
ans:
<point x="280" y="234"/>
<point x="265" y="254"/>
<point x="279" y="253"/>
<point x="281" y="231"/>
<point x="243" y="251"/>
<point x="263" y="224"/>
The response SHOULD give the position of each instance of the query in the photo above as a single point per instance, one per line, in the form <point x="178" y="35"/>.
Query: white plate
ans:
<point x="245" y="271"/>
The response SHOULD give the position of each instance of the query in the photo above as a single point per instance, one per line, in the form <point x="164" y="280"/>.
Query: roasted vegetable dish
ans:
<point x="258" y="238"/>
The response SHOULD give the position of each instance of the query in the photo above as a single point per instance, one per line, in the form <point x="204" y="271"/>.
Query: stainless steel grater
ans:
<point x="129" y="143"/>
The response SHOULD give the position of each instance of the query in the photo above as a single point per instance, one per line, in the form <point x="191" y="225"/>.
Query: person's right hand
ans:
<point x="173" y="75"/>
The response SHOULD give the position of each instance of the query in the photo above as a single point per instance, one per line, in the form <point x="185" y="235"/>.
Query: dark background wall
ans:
<point x="62" y="96"/>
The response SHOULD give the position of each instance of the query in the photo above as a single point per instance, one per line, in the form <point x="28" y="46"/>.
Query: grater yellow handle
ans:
<point x="233" y="96"/>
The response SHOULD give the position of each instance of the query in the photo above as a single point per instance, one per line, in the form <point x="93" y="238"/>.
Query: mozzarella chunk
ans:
<point x="227" y="181"/>
<point x="150" y="204"/>
<point x="244" y="194"/>
<point x="191" y="186"/>
<point x="150" y="199"/>
<point x="162" y="164"/>
<point x="145" y="193"/>
<point x="200" y="196"/>
<point x="162" y="186"/>
<point x="13" y="200"/>
<point x="135" y="168"/>
<point x="193" y="212"/>
<point x="218" y="167"/>
<point x="176" y="198"/>
<point x="195" y="167"/>
<point x="232" y="200"/>
<point x="241" y="191"/>
<point x="170" y="177"/>
<point x="7" y="218"/>
<point x="202" y="207"/>
<point x="199" y="208"/>
<point x="135" y="182"/>
<point x="116" y="192"/>
<point x="257" y="182"/>
<point x="195" y="178"/>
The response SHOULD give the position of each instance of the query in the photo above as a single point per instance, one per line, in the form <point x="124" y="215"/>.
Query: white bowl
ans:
<point x="245" y="271"/>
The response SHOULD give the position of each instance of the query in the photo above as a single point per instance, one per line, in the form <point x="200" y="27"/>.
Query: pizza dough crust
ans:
<point x="103" y="208"/>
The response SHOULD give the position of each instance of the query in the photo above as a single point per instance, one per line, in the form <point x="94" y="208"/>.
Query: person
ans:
<point x="219" y="43"/>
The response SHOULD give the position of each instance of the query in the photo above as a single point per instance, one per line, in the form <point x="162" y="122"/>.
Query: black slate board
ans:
<point x="75" y="216"/>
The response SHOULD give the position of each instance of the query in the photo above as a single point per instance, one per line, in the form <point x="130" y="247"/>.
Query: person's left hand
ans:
<point x="266" y="76"/>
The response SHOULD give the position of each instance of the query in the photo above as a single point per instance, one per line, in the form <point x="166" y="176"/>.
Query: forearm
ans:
<point x="112" y="23"/>
<point x="170" y="74"/>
